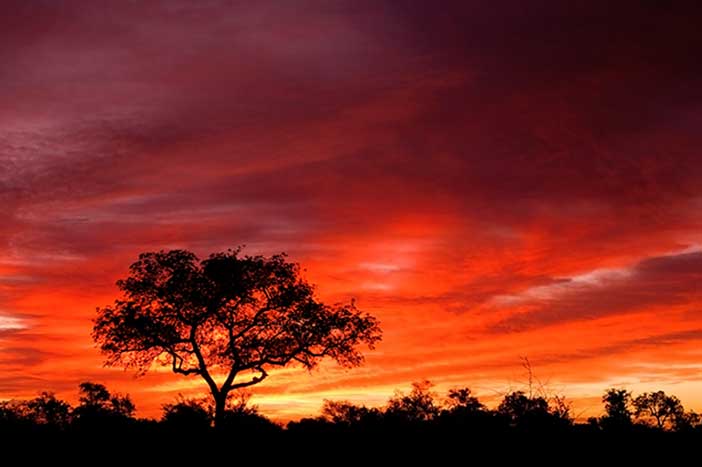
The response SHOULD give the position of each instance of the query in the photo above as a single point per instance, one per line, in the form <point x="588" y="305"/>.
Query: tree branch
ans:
<point x="226" y="386"/>
<point x="203" y="366"/>
<point x="253" y="322"/>
<point x="254" y="380"/>
<point x="178" y="367"/>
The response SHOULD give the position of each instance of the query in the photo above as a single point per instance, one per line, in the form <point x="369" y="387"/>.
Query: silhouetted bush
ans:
<point x="98" y="409"/>
<point x="189" y="415"/>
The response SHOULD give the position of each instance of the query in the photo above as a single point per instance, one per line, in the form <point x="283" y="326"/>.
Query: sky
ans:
<point x="493" y="180"/>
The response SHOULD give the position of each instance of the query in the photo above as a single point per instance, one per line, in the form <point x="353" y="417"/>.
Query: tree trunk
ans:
<point x="220" y="406"/>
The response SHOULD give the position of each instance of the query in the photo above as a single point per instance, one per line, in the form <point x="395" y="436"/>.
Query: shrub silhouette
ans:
<point x="187" y="415"/>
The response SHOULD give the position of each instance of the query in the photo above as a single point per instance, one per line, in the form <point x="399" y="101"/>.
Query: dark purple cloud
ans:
<point x="655" y="282"/>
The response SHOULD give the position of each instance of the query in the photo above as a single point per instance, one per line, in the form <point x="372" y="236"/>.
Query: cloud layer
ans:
<point x="491" y="180"/>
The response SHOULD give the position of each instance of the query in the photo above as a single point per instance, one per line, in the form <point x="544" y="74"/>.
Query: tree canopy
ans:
<point x="617" y="404"/>
<point x="659" y="407"/>
<point x="228" y="316"/>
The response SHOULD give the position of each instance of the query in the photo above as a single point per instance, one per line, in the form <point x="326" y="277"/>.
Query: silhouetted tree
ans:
<point x="13" y="413"/>
<point x="229" y="314"/>
<point x="48" y="410"/>
<point x="617" y="409"/>
<point x="520" y="409"/>
<point x="348" y="414"/>
<point x="97" y="404"/>
<point x="659" y="407"/>
<point x="464" y="413"/>
<point x="417" y="406"/>
<point x="686" y="421"/>
<point x="462" y="399"/>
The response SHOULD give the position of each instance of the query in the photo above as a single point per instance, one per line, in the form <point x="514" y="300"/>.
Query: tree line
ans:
<point x="419" y="410"/>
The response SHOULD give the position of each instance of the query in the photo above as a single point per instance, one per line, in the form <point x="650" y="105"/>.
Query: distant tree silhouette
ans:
<point x="519" y="409"/>
<point x="48" y="410"/>
<point x="417" y="406"/>
<point x="463" y="412"/>
<point x="13" y="414"/>
<point x="659" y="407"/>
<point x="97" y="405"/>
<point x="228" y="315"/>
<point x="348" y="414"/>
<point x="462" y="399"/>
<point x="686" y="421"/>
<point x="618" y="413"/>
<point x="415" y="417"/>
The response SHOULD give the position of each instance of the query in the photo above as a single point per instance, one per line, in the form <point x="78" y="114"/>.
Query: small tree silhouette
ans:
<point x="417" y="406"/>
<point x="46" y="409"/>
<point x="519" y="408"/>
<point x="617" y="409"/>
<point x="96" y="403"/>
<point x="226" y="316"/>
<point x="463" y="400"/>
<point x="347" y="414"/>
<point x="659" y="407"/>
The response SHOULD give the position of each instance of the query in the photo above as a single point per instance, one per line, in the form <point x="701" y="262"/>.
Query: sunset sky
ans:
<point x="491" y="179"/>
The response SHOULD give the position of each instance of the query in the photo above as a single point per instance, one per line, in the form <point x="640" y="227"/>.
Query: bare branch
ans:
<point x="255" y="380"/>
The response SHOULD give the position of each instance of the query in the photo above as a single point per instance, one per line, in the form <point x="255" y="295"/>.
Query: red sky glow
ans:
<point x="491" y="179"/>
